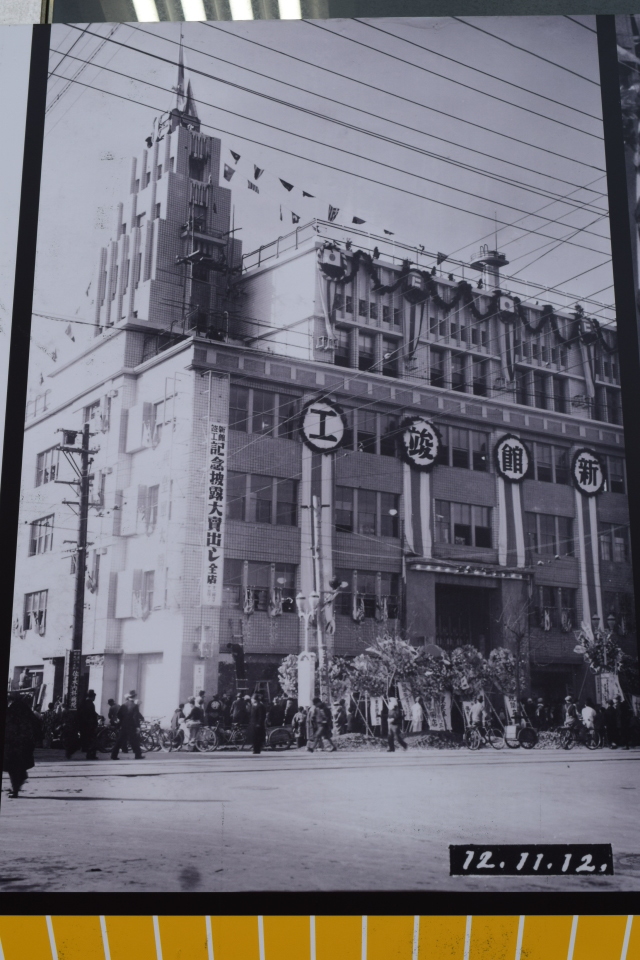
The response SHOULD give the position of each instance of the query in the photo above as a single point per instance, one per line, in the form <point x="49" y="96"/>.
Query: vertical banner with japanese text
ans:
<point x="218" y="439"/>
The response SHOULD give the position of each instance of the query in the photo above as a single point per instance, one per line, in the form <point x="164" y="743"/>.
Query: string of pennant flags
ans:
<point x="230" y="170"/>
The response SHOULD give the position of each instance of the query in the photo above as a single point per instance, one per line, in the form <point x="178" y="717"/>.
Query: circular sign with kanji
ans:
<point x="512" y="458"/>
<point x="420" y="443"/>
<point x="323" y="425"/>
<point x="587" y="472"/>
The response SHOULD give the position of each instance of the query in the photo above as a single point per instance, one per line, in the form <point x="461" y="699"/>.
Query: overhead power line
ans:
<point x="580" y="24"/>
<point x="534" y="190"/>
<point x="484" y="73"/>
<point x="459" y="83"/>
<point x="369" y="113"/>
<point x="538" y="56"/>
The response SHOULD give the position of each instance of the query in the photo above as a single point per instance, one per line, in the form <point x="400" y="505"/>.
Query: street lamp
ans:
<point x="611" y="622"/>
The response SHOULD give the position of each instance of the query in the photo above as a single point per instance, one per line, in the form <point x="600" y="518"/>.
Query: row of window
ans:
<point x="259" y="499"/>
<point x="462" y="524"/>
<point x="367" y="512"/>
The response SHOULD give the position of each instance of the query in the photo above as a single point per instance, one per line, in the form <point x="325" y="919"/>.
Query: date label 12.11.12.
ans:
<point x="550" y="859"/>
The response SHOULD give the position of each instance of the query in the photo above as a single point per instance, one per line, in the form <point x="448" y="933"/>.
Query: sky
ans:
<point x="463" y="128"/>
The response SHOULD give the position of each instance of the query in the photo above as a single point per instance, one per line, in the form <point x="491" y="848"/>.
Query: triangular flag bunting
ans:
<point x="287" y="186"/>
<point x="358" y="220"/>
<point x="236" y="156"/>
<point x="305" y="194"/>
<point x="69" y="333"/>
<point x="252" y="186"/>
<point x="333" y="213"/>
<point x="281" y="211"/>
<point x="295" y="217"/>
<point x="257" y="172"/>
<point x="441" y="258"/>
<point x="389" y="233"/>
<point x="228" y="171"/>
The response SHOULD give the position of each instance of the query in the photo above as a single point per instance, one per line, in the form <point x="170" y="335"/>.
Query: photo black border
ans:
<point x="295" y="903"/>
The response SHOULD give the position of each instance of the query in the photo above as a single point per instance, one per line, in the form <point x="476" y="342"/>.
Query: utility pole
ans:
<point x="317" y="569"/>
<point x="83" y="483"/>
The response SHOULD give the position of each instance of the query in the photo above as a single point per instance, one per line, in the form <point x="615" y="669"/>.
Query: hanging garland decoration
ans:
<point x="586" y="330"/>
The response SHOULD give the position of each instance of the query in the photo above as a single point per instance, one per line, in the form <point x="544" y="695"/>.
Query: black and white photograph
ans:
<point x="324" y="570"/>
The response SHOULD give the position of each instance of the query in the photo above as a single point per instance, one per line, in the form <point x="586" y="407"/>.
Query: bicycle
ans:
<point x="209" y="739"/>
<point x="151" y="736"/>
<point x="475" y="738"/>
<point x="525" y="737"/>
<point x="578" y="733"/>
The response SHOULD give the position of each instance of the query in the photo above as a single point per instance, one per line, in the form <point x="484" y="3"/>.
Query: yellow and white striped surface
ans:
<point x="320" y="938"/>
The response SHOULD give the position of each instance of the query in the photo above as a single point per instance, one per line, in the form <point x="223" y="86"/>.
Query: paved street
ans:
<point x="301" y="821"/>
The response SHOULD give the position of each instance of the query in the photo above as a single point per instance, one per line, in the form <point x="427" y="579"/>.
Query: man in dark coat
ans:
<point x="623" y="720"/>
<point x="130" y="719"/>
<point x="19" y="741"/>
<point x="257" y="723"/>
<point x="395" y="726"/>
<point x="88" y="725"/>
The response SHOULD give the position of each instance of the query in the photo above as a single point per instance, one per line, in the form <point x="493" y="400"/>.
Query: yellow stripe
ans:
<point x="600" y="938"/>
<point x="183" y="938"/>
<point x="336" y="938"/>
<point x="130" y="937"/>
<point x="78" y="937"/>
<point x="442" y="938"/>
<point x="235" y="938"/>
<point x="15" y="932"/>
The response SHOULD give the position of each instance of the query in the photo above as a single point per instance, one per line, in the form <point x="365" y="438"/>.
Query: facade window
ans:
<point x="366" y="581"/>
<point x="344" y="601"/>
<point x="263" y="412"/>
<point x="373" y="311"/>
<point x="522" y="385"/>
<point x="367" y="512"/>
<point x="615" y="475"/>
<point x="554" y="607"/>
<point x="161" y="417"/>
<point x="232" y="582"/>
<point x="261" y="499"/>
<point x="41" y="536"/>
<point x="35" y="611"/>
<point x="437" y="376"/>
<point x="539" y="390"/>
<point x="47" y="464"/>
<point x="388" y="433"/>
<point x="366" y="351"/>
<point x="390" y="353"/>
<point x="551" y="463"/>
<point x="389" y="515"/>
<point x="390" y="594"/>
<point x="348" y="304"/>
<point x="621" y="606"/>
<point x="258" y="584"/>
<point x="342" y="351"/>
<point x="158" y="207"/>
<point x="378" y="594"/>
<point x="236" y="495"/>
<point x="458" y="380"/>
<point x="287" y="417"/>
<point x="479" y="375"/>
<point x="148" y="584"/>
<point x="344" y="509"/>
<point x="153" y="496"/>
<point x="614" y="542"/>
<point x="467" y="449"/>
<point x="285" y="577"/>
<point x="238" y="408"/>
<point x="196" y="168"/>
<point x="159" y="172"/>
<point x="462" y="524"/>
<point x="362" y="308"/>
<point x="607" y="405"/>
<point x="367" y="431"/>
<point x="91" y="413"/>
<point x="264" y="404"/>
<point x="548" y="535"/>
<point x="559" y="394"/>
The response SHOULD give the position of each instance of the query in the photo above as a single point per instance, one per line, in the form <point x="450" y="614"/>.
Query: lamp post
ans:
<point x="307" y="609"/>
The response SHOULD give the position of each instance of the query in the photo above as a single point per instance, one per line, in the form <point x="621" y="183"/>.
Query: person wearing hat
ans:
<point x="257" y="723"/>
<point x="623" y="720"/>
<point x="130" y="719"/>
<point x="540" y="715"/>
<point x="570" y="712"/>
<point x="88" y="725"/>
<point x="19" y="741"/>
<point x="395" y="726"/>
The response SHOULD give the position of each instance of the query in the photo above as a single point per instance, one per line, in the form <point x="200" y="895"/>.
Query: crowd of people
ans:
<point x="312" y="727"/>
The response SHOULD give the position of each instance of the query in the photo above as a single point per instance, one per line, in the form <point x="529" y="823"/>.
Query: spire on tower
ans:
<point x="184" y="113"/>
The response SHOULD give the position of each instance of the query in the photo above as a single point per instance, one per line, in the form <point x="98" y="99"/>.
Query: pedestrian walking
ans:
<point x="320" y="726"/>
<point x="130" y="718"/>
<point x="193" y="714"/>
<point x="299" y="725"/>
<point x="19" y="742"/>
<point x="238" y="710"/>
<point x="540" y="718"/>
<point x="610" y="724"/>
<point x="589" y="714"/>
<point x="112" y="715"/>
<point x="395" y="726"/>
<point x="290" y="711"/>
<point x="88" y="725"/>
<point x="623" y="720"/>
<point x="257" y="723"/>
